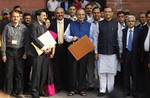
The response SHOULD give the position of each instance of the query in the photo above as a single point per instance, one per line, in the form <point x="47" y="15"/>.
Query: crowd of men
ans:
<point x="121" y="58"/>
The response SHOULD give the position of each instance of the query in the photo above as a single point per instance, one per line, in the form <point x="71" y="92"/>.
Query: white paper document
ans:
<point x="47" y="39"/>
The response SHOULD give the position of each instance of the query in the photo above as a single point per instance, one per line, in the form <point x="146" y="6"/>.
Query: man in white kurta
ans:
<point x="108" y="45"/>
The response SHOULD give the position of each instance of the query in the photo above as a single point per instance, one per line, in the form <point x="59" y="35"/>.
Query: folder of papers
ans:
<point x="47" y="39"/>
<point x="81" y="47"/>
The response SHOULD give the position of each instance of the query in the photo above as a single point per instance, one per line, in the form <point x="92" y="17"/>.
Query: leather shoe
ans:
<point x="13" y="94"/>
<point x="126" y="94"/>
<point x="100" y="94"/>
<point x="91" y="89"/>
<point x="57" y="91"/>
<point x="35" y="97"/>
<point x="43" y="94"/>
<point x="20" y="96"/>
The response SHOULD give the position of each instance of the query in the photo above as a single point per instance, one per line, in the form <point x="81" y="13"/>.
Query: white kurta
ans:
<point x="107" y="63"/>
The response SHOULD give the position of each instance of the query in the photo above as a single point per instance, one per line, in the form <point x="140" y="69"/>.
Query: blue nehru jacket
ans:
<point x="80" y="29"/>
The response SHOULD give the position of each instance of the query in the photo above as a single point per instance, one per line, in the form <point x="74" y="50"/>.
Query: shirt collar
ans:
<point x="98" y="21"/>
<point x="144" y="24"/>
<point x="124" y="25"/>
<point x="108" y="20"/>
<point x="131" y="29"/>
<point x="60" y="20"/>
<point x="89" y="17"/>
<point x="74" y="18"/>
<point x="16" y="26"/>
<point x="82" y="22"/>
<point x="40" y="23"/>
<point x="148" y="26"/>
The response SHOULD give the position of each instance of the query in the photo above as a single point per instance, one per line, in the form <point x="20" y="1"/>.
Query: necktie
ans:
<point x="141" y="26"/>
<point x="61" y="38"/>
<point x="130" y="40"/>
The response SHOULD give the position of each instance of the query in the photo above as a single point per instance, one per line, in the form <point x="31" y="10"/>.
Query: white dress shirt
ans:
<point x="95" y="25"/>
<point x="123" y="26"/>
<point x="73" y="19"/>
<point x="52" y="5"/>
<point x="68" y="37"/>
<point x="83" y="4"/>
<point x="147" y="41"/>
<point x="90" y="19"/>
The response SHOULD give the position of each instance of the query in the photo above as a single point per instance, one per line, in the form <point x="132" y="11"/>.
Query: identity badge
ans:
<point x="14" y="42"/>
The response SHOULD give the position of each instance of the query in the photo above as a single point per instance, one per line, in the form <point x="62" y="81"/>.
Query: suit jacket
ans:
<point x="35" y="31"/>
<point x="2" y="24"/>
<point x="53" y="26"/>
<point x="136" y="42"/>
<point x="141" y="25"/>
<point x="144" y="35"/>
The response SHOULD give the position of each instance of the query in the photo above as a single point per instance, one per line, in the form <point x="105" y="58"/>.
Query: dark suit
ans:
<point x="141" y="67"/>
<point x="143" y="35"/>
<point x="141" y="25"/>
<point x="60" y="60"/>
<point x="146" y="60"/>
<point x="130" y="59"/>
<point x="40" y="63"/>
<point x="2" y="67"/>
<point x="27" y="64"/>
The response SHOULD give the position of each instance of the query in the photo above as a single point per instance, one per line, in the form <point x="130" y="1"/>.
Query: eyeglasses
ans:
<point x="81" y="14"/>
<point x="131" y="21"/>
<point x="121" y="16"/>
<point x="107" y="11"/>
<point x="141" y="17"/>
<point x="5" y="14"/>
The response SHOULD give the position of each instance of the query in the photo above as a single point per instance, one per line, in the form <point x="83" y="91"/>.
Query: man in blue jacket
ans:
<point x="77" y="69"/>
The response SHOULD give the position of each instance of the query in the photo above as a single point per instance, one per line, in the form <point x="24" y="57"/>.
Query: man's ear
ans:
<point x="37" y="16"/>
